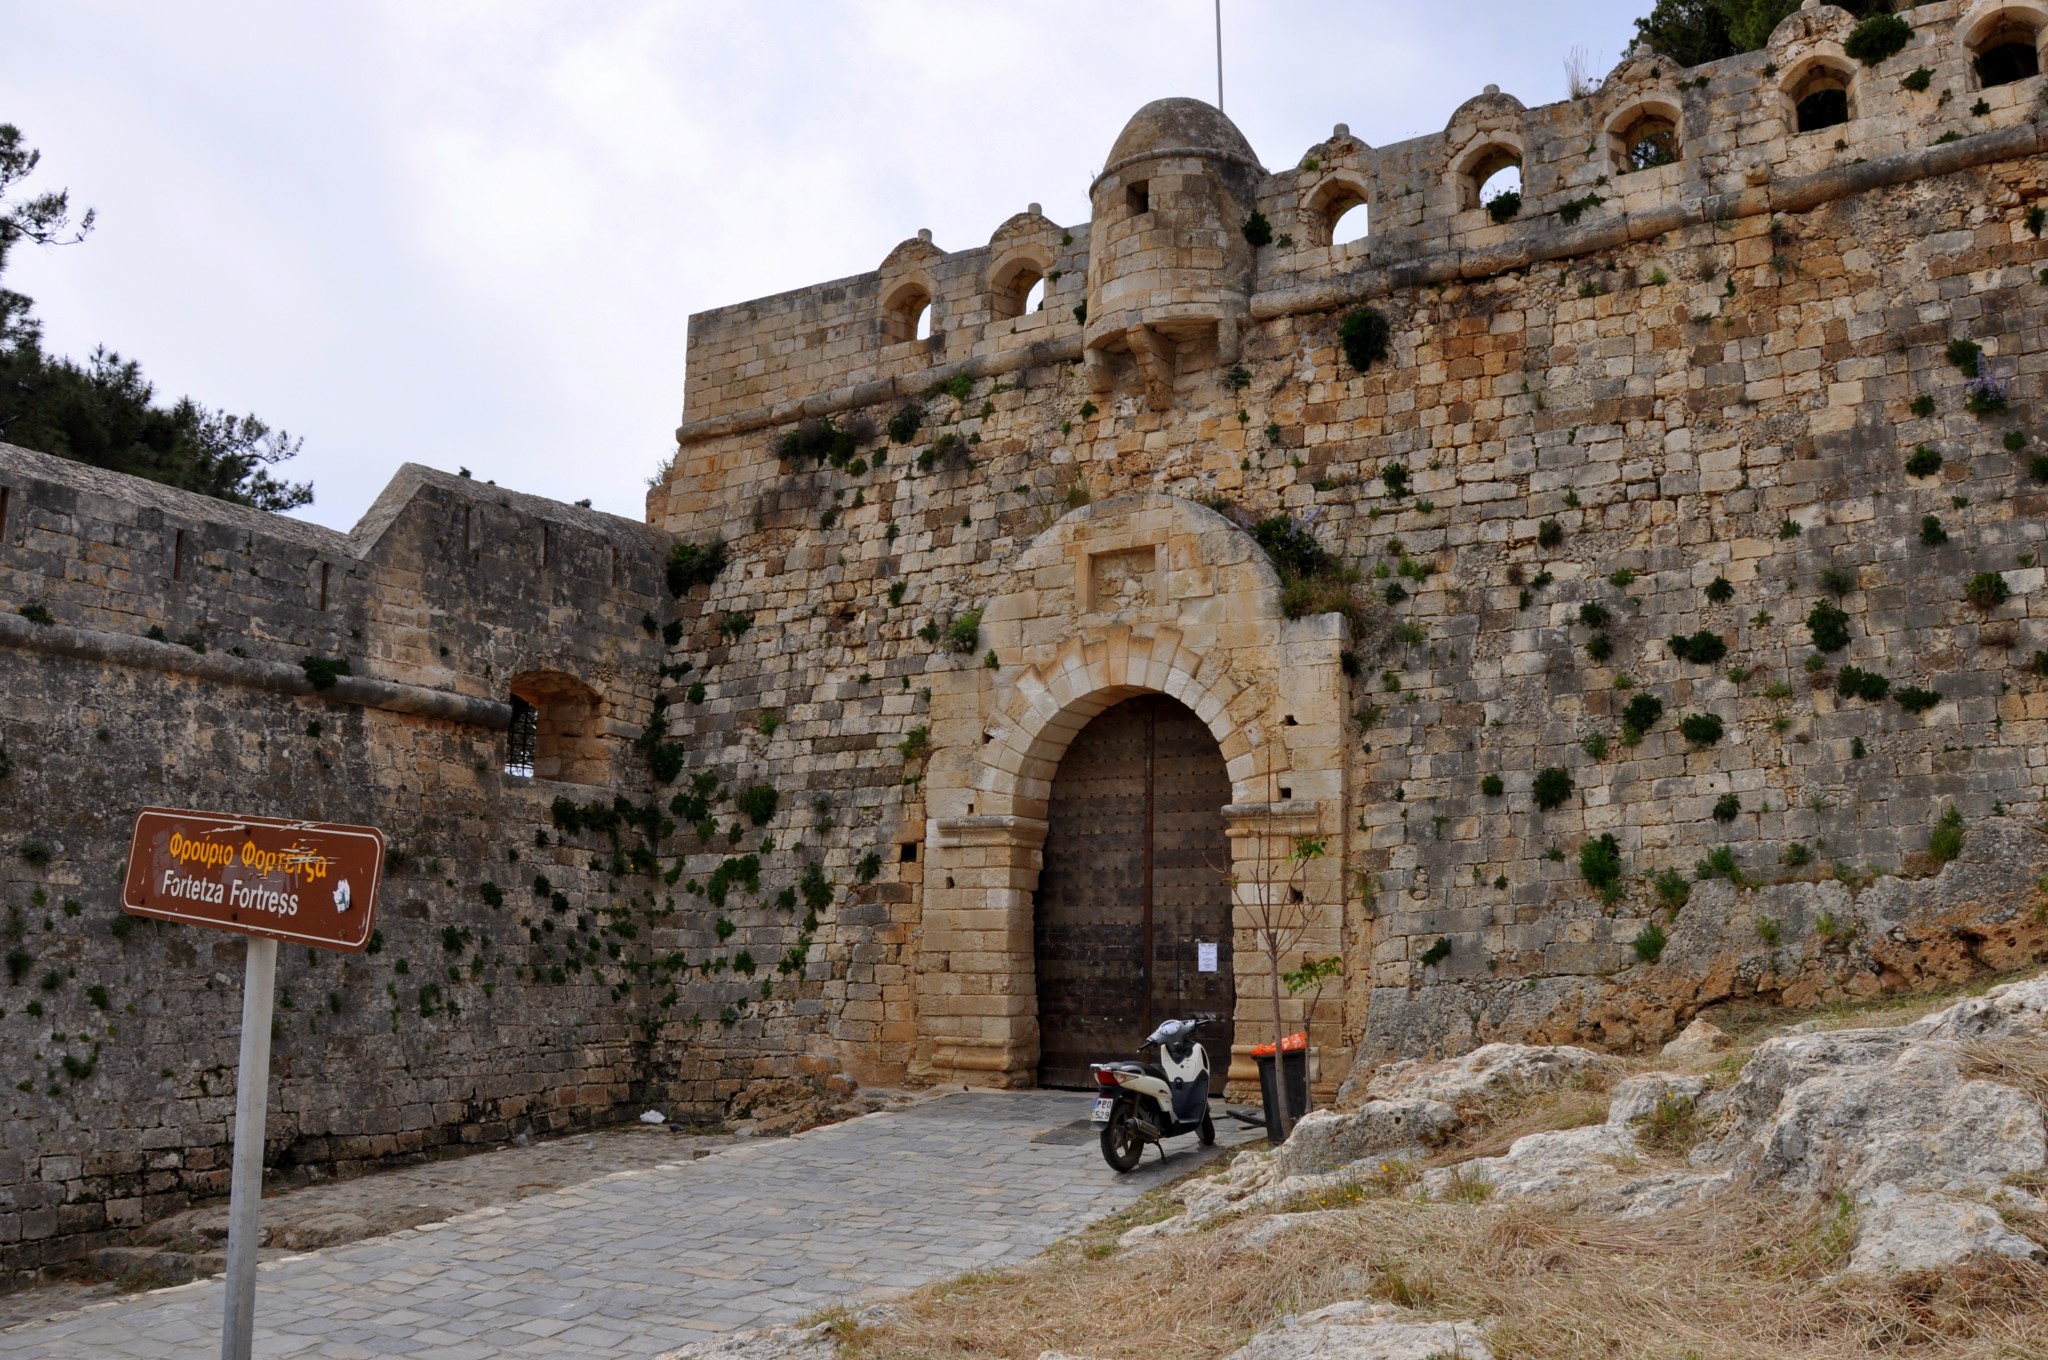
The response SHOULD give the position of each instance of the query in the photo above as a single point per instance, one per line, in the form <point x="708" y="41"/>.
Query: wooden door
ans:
<point x="1132" y="888"/>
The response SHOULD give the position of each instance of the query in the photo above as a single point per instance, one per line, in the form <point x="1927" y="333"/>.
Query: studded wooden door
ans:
<point x="1133" y="887"/>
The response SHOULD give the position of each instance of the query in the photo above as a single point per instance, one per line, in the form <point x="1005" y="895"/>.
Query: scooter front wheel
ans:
<point x="1122" y="1148"/>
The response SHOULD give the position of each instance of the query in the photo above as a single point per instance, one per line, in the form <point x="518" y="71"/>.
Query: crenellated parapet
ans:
<point x="1163" y="277"/>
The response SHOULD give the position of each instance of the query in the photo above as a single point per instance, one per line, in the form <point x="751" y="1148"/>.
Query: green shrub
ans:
<point x="869" y="868"/>
<point x="1987" y="590"/>
<point x="36" y="614"/>
<point x="964" y="635"/>
<point x="1727" y="808"/>
<point x="323" y="671"/>
<point x="1719" y="863"/>
<point x="2037" y="467"/>
<point x="735" y="624"/>
<point x="2014" y="440"/>
<point x="1964" y="355"/>
<point x="1914" y="699"/>
<point x="491" y="893"/>
<point x="1720" y="591"/>
<point x="916" y="743"/>
<point x="1649" y="943"/>
<point x="1704" y="648"/>
<point x="1257" y="230"/>
<point x="1855" y="683"/>
<point x="1599" y="647"/>
<point x="1877" y="38"/>
<point x="1504" y="206"/>
<point x="757" y="803"/>
<point x="1838" y="580"/>
<point x="1701" y="729"/>
<point x="1365" y="336"/>
<point x="1595" y="746"/>
<point x="959" y="387"/>
<point x="1549" y="534"/>
<point x="904" y="425"/>
<point x="1797" y="855"/>
<point x="1552" y="788"/>
<point x="1924" y="462"/>
<point x="1492" y="786"/>
<point x="1621" y="578"/>
<point x="1672" y="888"/>
<point x="1394" y="476"/>
<point x="1437" y="952"/>
<point x="1829" y="627"/>
<point x="694" y="564"/>
<point x="1640" y="716"/>
<point x="1931" y="532"/>
<point x="1919" y="81"/>
<point x="1923" y="406"/>
<point x="1945" y="842"/>
<point x="1600" y="866"/>
<point x="35" y="854"/>
<point x="1594" y="615"/>
<point x="1770" y="930"/>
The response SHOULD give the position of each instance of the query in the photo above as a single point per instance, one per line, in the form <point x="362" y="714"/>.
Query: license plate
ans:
<point x="1103" y="1105"/>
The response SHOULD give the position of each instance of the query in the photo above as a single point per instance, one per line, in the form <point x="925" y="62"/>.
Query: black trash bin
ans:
<point x="1297" y="1089"/>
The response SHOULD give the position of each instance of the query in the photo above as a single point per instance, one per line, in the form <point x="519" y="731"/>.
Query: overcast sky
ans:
<point x="470" y="234"/>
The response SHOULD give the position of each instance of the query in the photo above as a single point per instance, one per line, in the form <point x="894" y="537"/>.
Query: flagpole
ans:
<point x="1219" y="56"/>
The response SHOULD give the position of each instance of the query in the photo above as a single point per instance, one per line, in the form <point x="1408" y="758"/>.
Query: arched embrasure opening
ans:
<point x="1338" y="212"/>
<point x="557" y="730"/>
<point x="1820" y="97"/>
<point x="1491" y="172"/>
<point x="1645" y="139"/>
<point x="907" y="314"/>
<point x="1135" y="884"/>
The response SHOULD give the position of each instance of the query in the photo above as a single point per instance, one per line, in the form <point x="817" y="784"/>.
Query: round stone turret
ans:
<point x="1170" y="272"/>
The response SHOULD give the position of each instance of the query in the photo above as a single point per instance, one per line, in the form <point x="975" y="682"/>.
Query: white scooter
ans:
<point x="1140" y="1103"/>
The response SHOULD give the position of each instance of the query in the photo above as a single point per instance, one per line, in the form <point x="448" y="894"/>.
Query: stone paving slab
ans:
<point x="648" y="1260"/>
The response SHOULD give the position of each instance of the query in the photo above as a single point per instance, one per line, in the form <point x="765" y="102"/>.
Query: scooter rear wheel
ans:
<point x="1207" y="1133"/>
<point x="1122" y="1148"/>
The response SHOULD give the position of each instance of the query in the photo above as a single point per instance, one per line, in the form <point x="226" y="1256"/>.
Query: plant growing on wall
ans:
<point x="1640" y="716"/>
<point x="1600" y="866"/>
<point x="694" y="564"/>
<point x="964" y="635"/>
<point x="904" y="425"/>
<point x="1878" y="37"/>
<point x="1704" y="648"/>
<point x="1829" y="627"/>
<point x="1365" y="336"/>
<point x="1552" y="788"/>
<point x="1257" y="230"/>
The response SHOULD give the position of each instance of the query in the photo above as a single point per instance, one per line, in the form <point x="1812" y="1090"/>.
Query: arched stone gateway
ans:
<point x="1141" y="595"/>
<point x="1131" y="922"/>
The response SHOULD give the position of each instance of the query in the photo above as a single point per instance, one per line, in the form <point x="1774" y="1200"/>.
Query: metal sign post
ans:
<point x="308" y="882"/>
<point x="252" y="1104"/>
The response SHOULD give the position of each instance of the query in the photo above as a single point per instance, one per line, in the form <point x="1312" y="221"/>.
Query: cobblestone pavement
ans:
<point x="643" y="1261"/>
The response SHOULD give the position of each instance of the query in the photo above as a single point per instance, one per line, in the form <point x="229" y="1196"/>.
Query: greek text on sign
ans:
<point x="1205" y="956"/>
<point x="309" y="882"/>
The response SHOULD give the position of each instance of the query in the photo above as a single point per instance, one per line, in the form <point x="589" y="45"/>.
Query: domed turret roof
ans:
<point x="1180" y="125"/>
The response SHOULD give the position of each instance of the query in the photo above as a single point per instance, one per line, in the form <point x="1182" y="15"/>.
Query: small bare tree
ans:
<point x="1278" y="907"/>
<point x="1313" y="975"/>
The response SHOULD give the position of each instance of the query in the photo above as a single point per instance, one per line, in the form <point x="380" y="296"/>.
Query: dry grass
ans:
<point x="2019" y="1063"/>
<point x="1745" y="1277"/>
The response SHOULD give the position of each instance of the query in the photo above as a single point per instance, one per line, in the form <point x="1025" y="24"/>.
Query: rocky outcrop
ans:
<point x="1366" y="1331"/>
<point x="793" y="1341"/>
<point x="1490" y="1070"/>
<point x="1925" y="1132"/>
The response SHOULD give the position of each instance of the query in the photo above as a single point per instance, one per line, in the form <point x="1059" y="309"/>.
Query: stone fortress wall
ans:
<point x="152" y="650"/>
<point x="1646" y="381"/>
<point x="788" y="831"/>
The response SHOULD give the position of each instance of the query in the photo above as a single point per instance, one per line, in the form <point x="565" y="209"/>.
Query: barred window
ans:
<point x="523" y="738"/>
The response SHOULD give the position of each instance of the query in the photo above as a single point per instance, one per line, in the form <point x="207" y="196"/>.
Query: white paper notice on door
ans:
<point x="1205" y="956"/>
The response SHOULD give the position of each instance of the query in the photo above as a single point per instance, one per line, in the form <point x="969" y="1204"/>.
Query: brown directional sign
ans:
<point x="307" y="882"/>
